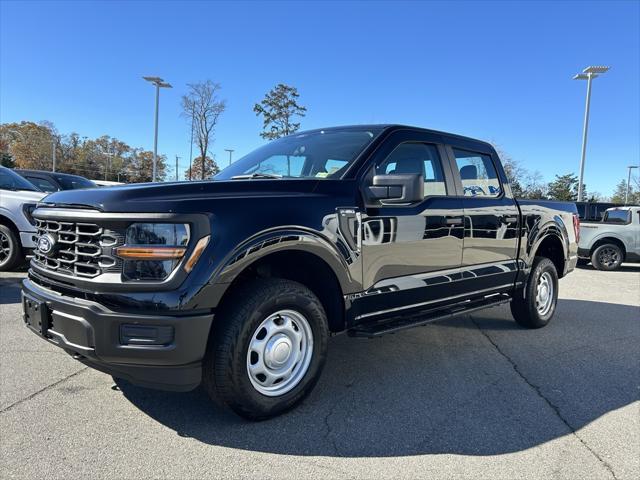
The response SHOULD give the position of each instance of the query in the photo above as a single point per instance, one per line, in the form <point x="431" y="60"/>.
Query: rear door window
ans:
<point x="478" y="174"/>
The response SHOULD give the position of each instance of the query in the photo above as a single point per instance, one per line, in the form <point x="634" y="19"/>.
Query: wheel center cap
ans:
<point x="278" y="351"/>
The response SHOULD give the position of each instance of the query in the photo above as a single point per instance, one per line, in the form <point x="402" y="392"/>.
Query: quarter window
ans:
<point x="420" y="158"/>
<point x="478" y="174"/>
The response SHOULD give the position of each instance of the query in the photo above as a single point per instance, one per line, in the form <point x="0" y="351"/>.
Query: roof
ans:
<point x="397" y="126"/>
<point x="45" y="172"/>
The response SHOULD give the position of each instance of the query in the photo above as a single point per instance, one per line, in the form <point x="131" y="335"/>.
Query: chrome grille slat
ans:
<point x="85" y="249"/>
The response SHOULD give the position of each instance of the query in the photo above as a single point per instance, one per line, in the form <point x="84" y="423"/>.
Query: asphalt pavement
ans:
<point x="472" y="397"/>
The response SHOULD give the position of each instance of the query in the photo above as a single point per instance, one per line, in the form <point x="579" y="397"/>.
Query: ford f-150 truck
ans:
<point x="613" y="240"/>
<point x="237" y="283"/>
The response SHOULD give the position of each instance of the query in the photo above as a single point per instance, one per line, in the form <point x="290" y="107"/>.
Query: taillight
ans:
<point x="576" y="226"/>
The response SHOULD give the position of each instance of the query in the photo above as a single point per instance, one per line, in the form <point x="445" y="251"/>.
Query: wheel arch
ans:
<point x="295" y="255"/>
<point x="9" y="223"/>
<point x="608" y="239"/>
<point x="552" y="244"/>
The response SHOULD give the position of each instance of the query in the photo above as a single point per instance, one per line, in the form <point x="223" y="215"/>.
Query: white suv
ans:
<point x="18" y="198"/>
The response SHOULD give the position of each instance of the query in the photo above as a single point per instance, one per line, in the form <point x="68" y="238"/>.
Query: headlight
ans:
<point x="153" y="250"/>
<point x="28" y="209"/>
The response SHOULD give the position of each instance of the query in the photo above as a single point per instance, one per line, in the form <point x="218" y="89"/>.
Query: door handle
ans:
<point x="454" y="221"/>
<point x="510" y="219"/>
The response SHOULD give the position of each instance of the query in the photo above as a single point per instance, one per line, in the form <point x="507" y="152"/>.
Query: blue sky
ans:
<point x="499" y="71"/>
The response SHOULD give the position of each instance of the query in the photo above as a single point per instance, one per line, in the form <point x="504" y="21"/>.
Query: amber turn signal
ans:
<point x="195" y="255"/>
<point x="150" y="253"/>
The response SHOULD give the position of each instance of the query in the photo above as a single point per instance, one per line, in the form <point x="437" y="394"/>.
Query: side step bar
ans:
<point x="395" y="324"/>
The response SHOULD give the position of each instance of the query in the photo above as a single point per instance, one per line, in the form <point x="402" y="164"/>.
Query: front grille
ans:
<point x="81" y="249"/>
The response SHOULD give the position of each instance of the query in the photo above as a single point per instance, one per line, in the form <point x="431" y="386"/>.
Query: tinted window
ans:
<point x="617" y="216"/>
<point x="419" y="158"/>
<point x="74" y="182"/>
<point x="478" y="174"/>
<point x="318" y="154"/>
<point x="9" y="180"/>
<point x="42" y="184"/>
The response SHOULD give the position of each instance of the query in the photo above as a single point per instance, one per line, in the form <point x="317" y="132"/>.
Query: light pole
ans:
<point x="230" y="150"/>
<point x="626" y="195"/>
<point x="159" y="83"/>
<point x="177" y="157"/>
<point x="587" y="74"/>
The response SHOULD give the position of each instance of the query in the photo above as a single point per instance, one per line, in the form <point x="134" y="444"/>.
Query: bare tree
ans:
<point x="203" y="107"/>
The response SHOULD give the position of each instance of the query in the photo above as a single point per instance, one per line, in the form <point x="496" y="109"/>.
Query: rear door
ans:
<point x="491" y="219"/>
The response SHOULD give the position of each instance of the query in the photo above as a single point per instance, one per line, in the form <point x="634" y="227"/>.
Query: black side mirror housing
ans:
<point x="397" y="188"/>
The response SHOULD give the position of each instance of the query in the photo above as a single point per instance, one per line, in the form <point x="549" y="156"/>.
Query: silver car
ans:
<point x="18" y="198"/>
<point x="613" y="240"/>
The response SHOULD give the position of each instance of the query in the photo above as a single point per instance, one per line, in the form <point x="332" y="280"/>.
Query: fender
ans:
<point x="554" y="227"/>
<point x="285" y="239"/>
<point x="602" y="236"/>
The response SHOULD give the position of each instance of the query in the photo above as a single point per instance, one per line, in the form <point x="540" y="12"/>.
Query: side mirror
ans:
<point x="397" y="188"/>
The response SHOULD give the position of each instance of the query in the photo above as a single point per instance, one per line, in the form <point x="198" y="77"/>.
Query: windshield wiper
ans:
<point x="255" y="175"/>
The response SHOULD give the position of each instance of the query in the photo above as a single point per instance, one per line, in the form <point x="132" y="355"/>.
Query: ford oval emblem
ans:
<point x="46" y="243"/>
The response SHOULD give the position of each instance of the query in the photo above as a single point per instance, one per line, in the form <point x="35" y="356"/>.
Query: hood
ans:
<point x="179" y="197"/>
<point x="24" y="196"/>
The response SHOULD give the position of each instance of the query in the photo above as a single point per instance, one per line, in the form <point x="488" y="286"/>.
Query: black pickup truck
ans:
<point x="237" y="283"/>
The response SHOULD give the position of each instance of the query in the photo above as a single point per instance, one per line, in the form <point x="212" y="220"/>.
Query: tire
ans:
<point x="10" y="249"/>
<point x="607" y="257"/>
<point x="267" y="328"/>
<point x="530" y="307"/>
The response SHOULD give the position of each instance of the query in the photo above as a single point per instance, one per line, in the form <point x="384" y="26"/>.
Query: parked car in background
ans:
<point x="55" y="181"/>
<point x="107" y="183"/>
<point x="18" y="199"/>
<point x="615" y="239"/>
<point x="239" y="282"/>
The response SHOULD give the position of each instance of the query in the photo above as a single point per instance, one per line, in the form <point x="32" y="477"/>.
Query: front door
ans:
<point x="411" y="253"/>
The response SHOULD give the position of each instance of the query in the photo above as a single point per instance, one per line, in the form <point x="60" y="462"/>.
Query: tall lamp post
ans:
<point x="230" y="150"/>
<point x="159" y="83"/>
<point x="587" y="74"/>
<point x="626" y="195"/>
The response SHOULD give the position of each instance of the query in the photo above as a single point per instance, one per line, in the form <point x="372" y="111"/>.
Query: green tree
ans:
<point x="278" y="109"/>
<point x="620" y="193"/>
<point x="565" y="188"/>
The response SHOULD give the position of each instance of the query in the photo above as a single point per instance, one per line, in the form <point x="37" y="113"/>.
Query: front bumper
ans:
<point x="28" y="240"/>
<point x="92" y="334"/>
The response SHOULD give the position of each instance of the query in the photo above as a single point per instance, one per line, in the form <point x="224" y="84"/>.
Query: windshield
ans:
<point x="72" y="182"/>
<point x="317" y="154"/>
<point x="10" y="180"/>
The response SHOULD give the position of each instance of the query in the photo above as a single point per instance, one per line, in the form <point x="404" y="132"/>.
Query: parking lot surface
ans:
<point x="472" y="397"/>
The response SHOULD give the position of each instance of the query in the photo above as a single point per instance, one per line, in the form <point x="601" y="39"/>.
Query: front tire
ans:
<point x="10" y="249"/>
<point x="607" y="257"/>
<point x="534" y="305"/>
<point x="268" y="350"/>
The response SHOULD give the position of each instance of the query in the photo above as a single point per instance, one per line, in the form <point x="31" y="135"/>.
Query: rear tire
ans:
<point x="268" y="348"/>
<point x="534" y="305"/>
<point x="607" y="257"/>
<point x="10" y="249"/>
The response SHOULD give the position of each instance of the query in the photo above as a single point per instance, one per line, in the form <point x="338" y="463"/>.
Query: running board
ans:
<point x="395" y="324"/>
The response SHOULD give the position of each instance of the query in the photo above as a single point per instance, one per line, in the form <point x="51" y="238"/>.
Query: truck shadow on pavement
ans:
<point x="476" y="385"/>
